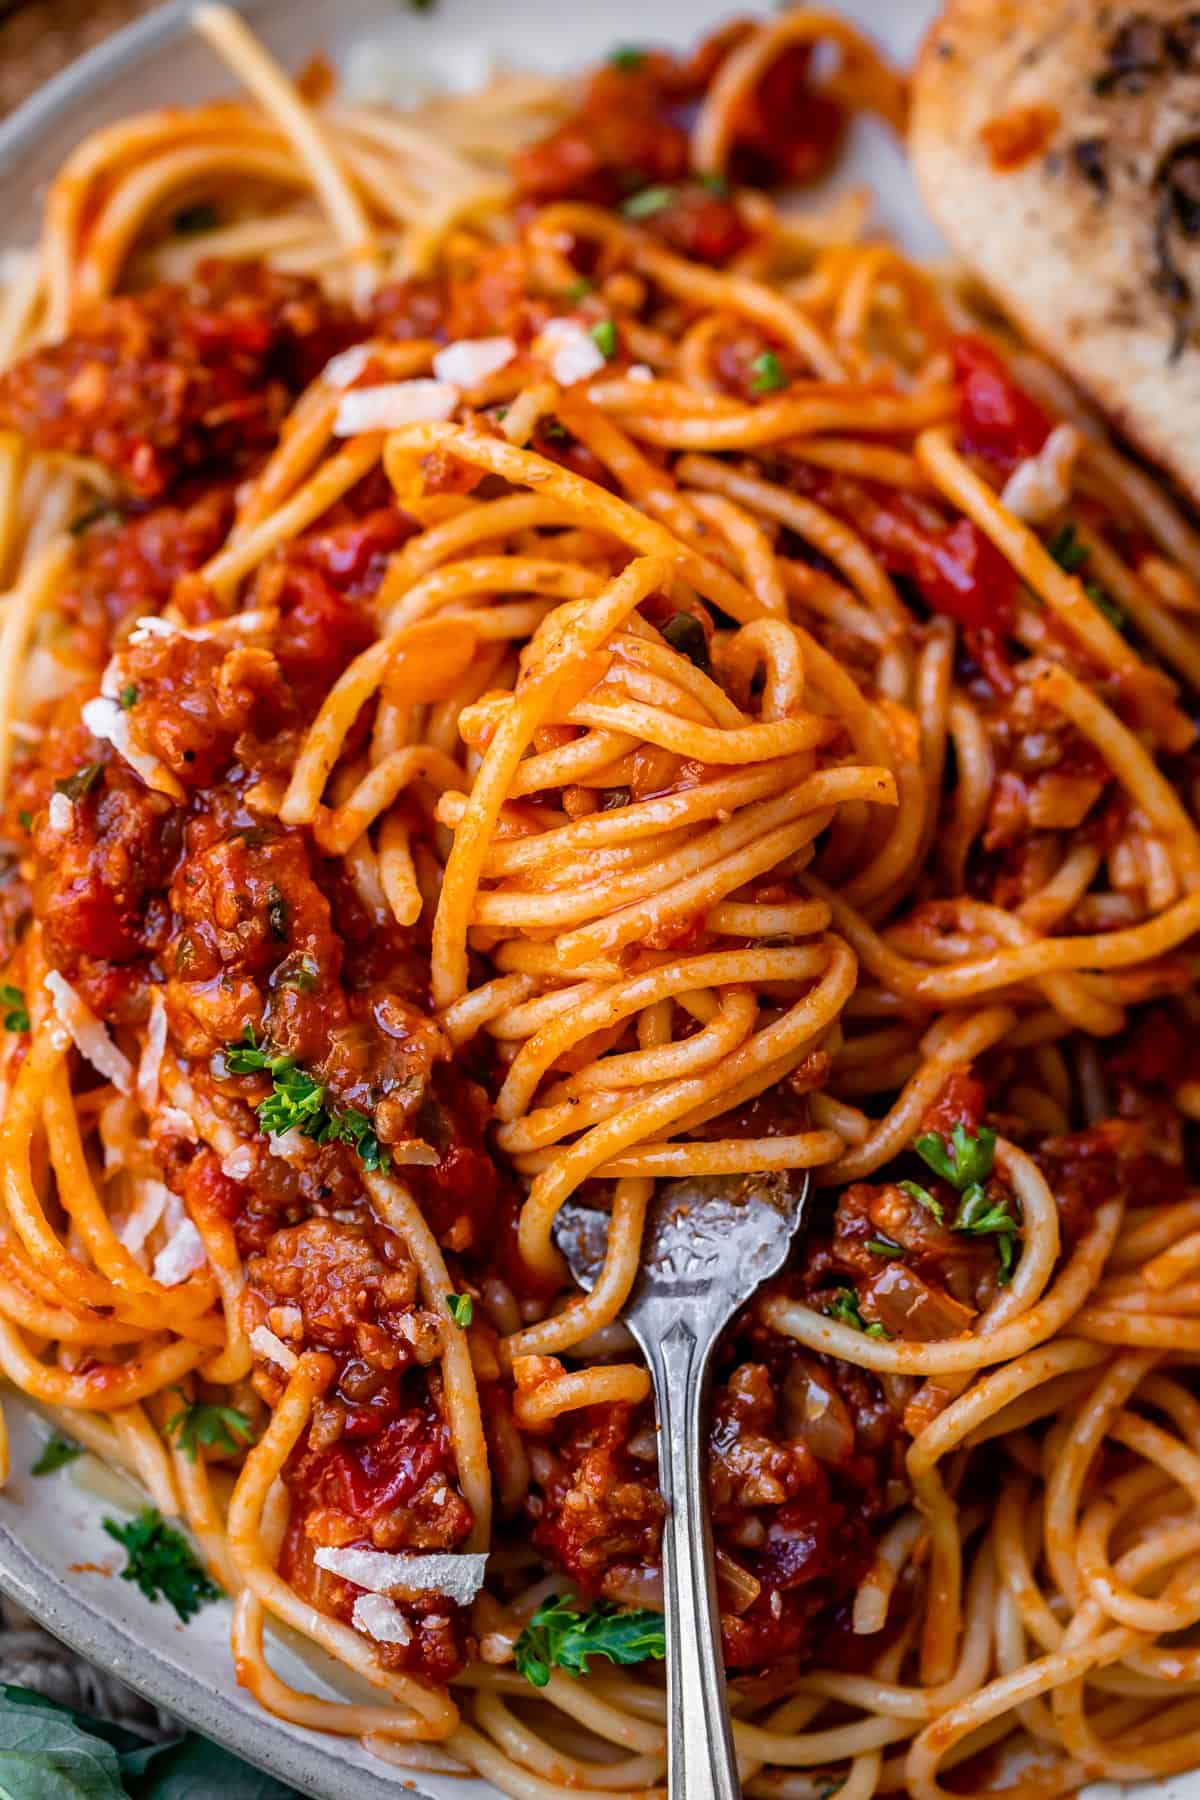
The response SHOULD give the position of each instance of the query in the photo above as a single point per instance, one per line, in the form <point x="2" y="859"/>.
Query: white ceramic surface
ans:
<point x="52" y="1544"/>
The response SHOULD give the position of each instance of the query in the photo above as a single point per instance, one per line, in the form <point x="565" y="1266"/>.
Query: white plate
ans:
<point x="51" y="1535"/>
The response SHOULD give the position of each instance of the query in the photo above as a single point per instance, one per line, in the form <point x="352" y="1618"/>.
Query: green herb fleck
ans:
<point x="57" y="1452"/>
<point x="923" y="1197"/>
<point x="296" y="971"/>
<point x="199" y="1426"/>
<point x="297" y="1102"/>
<point x="843" y="1307"/>
<point x="16" y="1013"/>
<point x="102" y="513"/>
<point x="555" y="431"/>
<point x="685" y="634"/>
<point x="1067" y="550"/>
<point x="1103" y="601"/>
<point x="884" y="1247"/>
<point x="278" y="912"/>
<point x="716" y="184"/>
<point x="989" y="1218"/>
<point x="162" y="1562"/>
<point x="76" y="786"/>
<point x="461" y="1309"/>
<point x="559" y="1636"/>
<point x="604" y="336"/>
<point x="627" y="58"/>
<point x="579" y="290"/>
<point x="649" y="201"/>
<point x="128" y="696"/>
<point x="966" y="1161"/>
<point x="25" y="820"/>
<point x="768" y="374"/>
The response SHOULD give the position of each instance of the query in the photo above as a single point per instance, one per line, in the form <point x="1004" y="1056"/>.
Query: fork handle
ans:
<point x="701" y="1762"/>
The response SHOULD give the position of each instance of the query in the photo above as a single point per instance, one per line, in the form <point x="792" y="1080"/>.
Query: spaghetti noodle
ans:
<point x="526" y="671"/>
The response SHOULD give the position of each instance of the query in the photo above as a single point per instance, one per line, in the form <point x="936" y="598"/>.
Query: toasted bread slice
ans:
<point x="1057" y="144"/>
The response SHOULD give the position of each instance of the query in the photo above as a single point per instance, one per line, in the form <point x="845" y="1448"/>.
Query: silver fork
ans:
<point x="710" y="1241"/>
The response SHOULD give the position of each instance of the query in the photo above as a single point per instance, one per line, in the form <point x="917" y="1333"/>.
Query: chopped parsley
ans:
<point x="81" y="782"/>
<point x="716" y="184"/>
<point x="297" y="1102"/>
<point x="647" y="202"/>
<point x="25" y="820"/>
<point x="685" y="634"/>
<point x="162" y="1562"/>
<point x="461" y="1309"/>
<point x="884" y="1247"/>
<point x="627" y="58"/>
<point x="127" y="696"/>
<point x="604" y="336"/>
<point x="579" y="290"/>
<point x="560" y="1637"/>
<point x="16" y="1013"/>
<point x="843" y="1307"/>
<point x="57" y="1452"/>
<point x="102" y="513"/>
<point x="198" y="1426"/>
<point x="192" y="220"/>
<point x="966" y="1161"/>
<point x="296" y="971"/>
<point x="1072" y="556"/>
<point x="923" y="1197"/>
<point x="555" y="431"/>
<point x="768" y="374"/>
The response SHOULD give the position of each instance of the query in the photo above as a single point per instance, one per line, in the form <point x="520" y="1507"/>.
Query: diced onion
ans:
<point x="394" y="404"/>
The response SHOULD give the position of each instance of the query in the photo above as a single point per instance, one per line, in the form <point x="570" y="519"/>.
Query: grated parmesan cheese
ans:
<point x="150" y="1066"/>
<point x="134" y="1227"/>
<point x="569" y="351"/>
<point x="239" y="1164"/>
<point x="346" y="366"/>
<point x="273" y="1348"/>
<point x="381" y="1619"/>
<point x="640" y="372"/>
<point x="392" y="405"/>
<point x="181" y="1255"/>
<point x="152" y="626"/>
<point x="472" y="360"/>
<point x="88" y="1034"/>
<point x="62" y="813"/>
<point x="106" y="718"/>
<point x="1041" y="485"/>
<point x="458" y="1576"/>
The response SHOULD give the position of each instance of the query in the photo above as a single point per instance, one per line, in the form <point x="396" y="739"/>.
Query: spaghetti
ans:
<point x="527" y="671"/>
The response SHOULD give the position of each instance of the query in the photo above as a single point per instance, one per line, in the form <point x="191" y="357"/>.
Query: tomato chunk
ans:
<point x="997" y="419"/>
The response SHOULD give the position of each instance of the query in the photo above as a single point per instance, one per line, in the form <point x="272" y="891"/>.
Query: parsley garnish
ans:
<point x="297" y="1103"/>
<point x="1071" y="555"/>
<point x="966" y="1161"/>
<point x="81" y="782"/>
<point x="57" y="1452"/>
<point x="558" y="1636"/>
<point x="25" y="820"/>
<point x="16" y="1013"/>
<point x="987" y="1218"/>
<point x="296" y="971"/>
<point x="579" y="290"/>
<point x="193" y="219"/>
<point x="649" y="201"/>
<point x="102" y="513"/>
<point x="461" y="1309"/>
<point x="843" y="1307"/>
<point x="162" y="1562"/>
<point x="555" y="431"/>
<point x="604" y="336"/>
<point x="685" y="634"/>
<point x="768" y="373"/>
<point x="278" y="912"/>
<point x="626" y="58"/>
<point x="884" y="1247"/>
<point x="127" y="697"/>
<point x="197" y="1425"/>
<point x="923" y="1197"/>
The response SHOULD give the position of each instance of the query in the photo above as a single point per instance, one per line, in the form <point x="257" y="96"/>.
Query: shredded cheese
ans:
<point x="88" y="1034"/>
<point x="134" y="1227"/>
<point x="457" y="1576"/>
<point x="106" y="718"/>
<point x="569" y="351"/>
<point x="1041" y="485"/>
<point x="61" y="813"/>
<point x="346" y="367"/>
<point x="381" y="1619"/>
<point x="181" y="1255"/>
<point x="150" y="1066"/>
<point x="394" y="404"/>
<point x="273" y="1348"/>
<point x="472" y="360"/>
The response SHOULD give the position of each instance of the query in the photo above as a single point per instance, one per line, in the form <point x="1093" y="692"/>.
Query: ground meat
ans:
<point x="599" y="1517"/>
<point x="190" y="700"/>
<point x="177" y="379"/>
